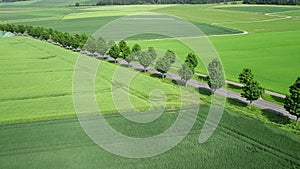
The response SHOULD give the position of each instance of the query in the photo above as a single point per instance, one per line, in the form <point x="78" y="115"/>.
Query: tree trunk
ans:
<point x="250" y="104"/>
<point x="297" y="121"/>
<point x="186" y="82"/>
<point x="213" y="91"/>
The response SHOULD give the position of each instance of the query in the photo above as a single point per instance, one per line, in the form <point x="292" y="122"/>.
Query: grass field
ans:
<point x="272" y="65"/>
<point x="275" y="33"/>
<point x="38" y="125"/>
<point x="260" y="8"/>
<point x="62" y="143"/>
<point x="41" y="79"/>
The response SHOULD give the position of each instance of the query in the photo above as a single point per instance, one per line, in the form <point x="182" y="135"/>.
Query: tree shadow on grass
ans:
<point x="111" y="61"/>
<point x="236" y="102"/>
<point x="140" y="70"/>
<point x="156" y="75"/>
<point x="275" y="116"/>
<point x="179" y="82"/>
<point x="278" y="99"/>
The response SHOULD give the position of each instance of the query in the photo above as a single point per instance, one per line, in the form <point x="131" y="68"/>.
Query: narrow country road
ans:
<point x="260" y="103"/>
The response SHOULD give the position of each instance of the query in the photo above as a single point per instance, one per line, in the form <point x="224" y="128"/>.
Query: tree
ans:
<point x="163" y="65"/>
<point x="101" y="46"/>
<point x="136" y="48"/>
<point x="114" y="52"/>
<point x="191" y="61"/>
<point x="246" y="76"/>
<point x="145" y="60"/>
<point x="91" y="45"/>
<point x="152" y="53"/>
<point x="252" y="91"/>
<point x="124" y="49"/>
<point x="216" y="78"/>
<point x="20" y="29"/>
<point x="170" y="55"/>
<point x="77" y="4"/>
<point x="292" y="102"/>
<point x="45" y="35"/>
<point x="83" y="38"/>
<point x="185" y="73"/>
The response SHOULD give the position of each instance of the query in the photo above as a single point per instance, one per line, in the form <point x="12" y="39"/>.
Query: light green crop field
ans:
<point x="259" y="8"/>
<point x="270" y="45"/>
<point x="275" y="64"/>
<point x="38" y="76"/>
<point x="38" y="125"/>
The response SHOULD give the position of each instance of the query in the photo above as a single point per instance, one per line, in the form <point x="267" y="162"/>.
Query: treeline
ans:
<point x="276" y="2"/>
<point x="147" y="57"/>
<point x="62" y="38"/>
<point x="133" y="2"/>
<point x="12" y="0"/>
<point x="100" y="48"/>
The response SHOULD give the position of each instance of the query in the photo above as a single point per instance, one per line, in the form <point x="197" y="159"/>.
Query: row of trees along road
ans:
<point x="146" y="58"/>
<point x="251" y="89"/>
<point x="63" y="38"/>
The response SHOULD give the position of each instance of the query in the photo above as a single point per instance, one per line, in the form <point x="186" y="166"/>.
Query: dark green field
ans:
<point x="239" y="142"/>
<point x="264" y="9"/>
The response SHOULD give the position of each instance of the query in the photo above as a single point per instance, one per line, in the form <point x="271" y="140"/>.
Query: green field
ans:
<point x="39" y="128"/>
<point x="42" y="74"/>
<point x="272" y="66"/>
<point x="269" y="37"/>
<point x="62" y="143"/>
<point x="264" y="9"/>
<point x="38" y="87"/>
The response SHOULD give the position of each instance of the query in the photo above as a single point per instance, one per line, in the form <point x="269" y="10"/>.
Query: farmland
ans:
<point x="44" y="75"/>
<point x="271" y="32"/>
<point x="37" y="90"/>
<point x="53" y="144"/>
<point x="38" y="124"/>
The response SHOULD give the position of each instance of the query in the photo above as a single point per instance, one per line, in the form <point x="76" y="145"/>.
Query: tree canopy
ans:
<point x="145" y="59"/>
<point x="114" y="52"/>
<point x="246" y="76"/>
<point x="252" y="91"/>
<point x="292" y="101"/>
<point x="152" y="53"/>
<point x="191" y="61"/>
<point x="216" y="75"/>
<point x="170" y="55"/>
<point x="163" y="65"/>
<point x="124" y="49"/>
<point x="185" y="73"/>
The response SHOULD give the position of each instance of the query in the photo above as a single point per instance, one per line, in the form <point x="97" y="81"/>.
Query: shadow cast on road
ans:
<point x="236" y="102"/>
<point x="204" y="91"/>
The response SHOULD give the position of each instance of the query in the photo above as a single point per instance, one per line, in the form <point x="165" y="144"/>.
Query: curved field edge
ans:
<point x="275" y="64"/>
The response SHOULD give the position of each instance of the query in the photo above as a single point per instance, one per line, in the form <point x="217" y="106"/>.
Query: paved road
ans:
<point x="260" y="103"/>
<point x="241" y="85"/>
